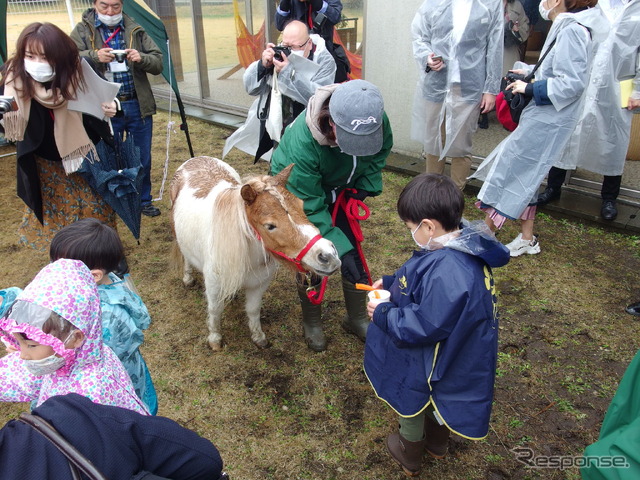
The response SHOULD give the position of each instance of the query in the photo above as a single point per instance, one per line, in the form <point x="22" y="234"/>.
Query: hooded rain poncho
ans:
<point x="67" y="288"/>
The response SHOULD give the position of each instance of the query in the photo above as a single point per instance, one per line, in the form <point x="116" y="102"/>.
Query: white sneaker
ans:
<point x="518" y="246"/>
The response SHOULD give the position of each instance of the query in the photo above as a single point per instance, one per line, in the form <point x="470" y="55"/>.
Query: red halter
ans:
<point x="298" y="260"/>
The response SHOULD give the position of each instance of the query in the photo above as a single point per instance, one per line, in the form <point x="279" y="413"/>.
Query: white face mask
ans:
<point x="544" y="13"/>
<point x="300" y="53"/>
<point x="40" y="72"/>
<point x="44" y="366"/>
<point x="47" y="365"/>
<point x="110" y="20"/>
<point x="413" y="235"/>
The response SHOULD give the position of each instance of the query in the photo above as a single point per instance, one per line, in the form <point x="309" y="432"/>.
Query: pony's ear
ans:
<point x="248" y="194"/>
<point x="283" y="176"/>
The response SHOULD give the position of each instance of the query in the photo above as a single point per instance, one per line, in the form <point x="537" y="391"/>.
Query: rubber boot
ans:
<point x="436" y="438"/>
<point x="311" y="317"/>
<point x="407" y="454"/>
<point x="357" y="320"/>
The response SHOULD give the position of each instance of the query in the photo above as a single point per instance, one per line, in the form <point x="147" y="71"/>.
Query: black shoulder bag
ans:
<point x="509" y="105"/>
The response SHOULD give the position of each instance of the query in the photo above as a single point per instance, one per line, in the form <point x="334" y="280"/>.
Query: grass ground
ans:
<point x="288" y="413"/>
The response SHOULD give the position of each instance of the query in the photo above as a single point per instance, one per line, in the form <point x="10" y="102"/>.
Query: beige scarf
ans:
<point x="71" y="138"/>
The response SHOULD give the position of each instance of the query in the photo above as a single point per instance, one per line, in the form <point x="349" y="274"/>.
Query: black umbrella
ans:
<point x="117" y="178"/>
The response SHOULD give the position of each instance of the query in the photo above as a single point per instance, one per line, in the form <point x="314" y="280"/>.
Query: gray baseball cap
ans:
<point x="356" y="108"/>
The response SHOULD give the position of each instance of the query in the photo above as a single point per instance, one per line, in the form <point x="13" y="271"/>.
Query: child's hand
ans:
<point x="371" y="306"/>
<point x="377" y="284"/>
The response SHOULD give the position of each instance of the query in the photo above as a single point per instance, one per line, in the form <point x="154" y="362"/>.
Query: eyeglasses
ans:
<point x="296" y="47"/>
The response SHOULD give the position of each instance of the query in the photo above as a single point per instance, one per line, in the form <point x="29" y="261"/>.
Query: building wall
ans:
<point x="389" y="64"/>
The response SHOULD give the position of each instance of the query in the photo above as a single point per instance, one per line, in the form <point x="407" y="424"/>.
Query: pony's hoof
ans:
<point x="216" y="345"/>
<point x="262" y="344"/>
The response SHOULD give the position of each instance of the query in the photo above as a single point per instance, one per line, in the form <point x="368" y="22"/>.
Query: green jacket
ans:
<point x="619" y="440"/>
<point x="89" y="41"/>
<point x="321" y="172"/>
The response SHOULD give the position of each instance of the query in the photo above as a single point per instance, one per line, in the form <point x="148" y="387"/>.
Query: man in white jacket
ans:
<point x="307" y="66"/>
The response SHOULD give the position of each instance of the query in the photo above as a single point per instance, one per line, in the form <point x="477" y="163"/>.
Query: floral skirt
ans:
<point x="498" y="219"/>
<point x="65" y="200"/>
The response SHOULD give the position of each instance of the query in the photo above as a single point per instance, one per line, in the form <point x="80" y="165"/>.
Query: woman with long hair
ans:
<point x="513" y="172"/>
<point x="52" y="141"/>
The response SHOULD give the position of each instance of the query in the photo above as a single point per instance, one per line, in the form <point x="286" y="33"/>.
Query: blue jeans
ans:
<point x="141" y="131"/>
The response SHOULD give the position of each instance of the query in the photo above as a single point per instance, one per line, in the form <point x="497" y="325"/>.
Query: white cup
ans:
<point x="379" y="296"/>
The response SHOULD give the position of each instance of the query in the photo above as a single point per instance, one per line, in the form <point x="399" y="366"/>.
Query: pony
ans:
<point x="237" y="232"/>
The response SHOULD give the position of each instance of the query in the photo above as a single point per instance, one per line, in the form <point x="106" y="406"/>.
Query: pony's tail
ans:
<point x="176" y="260"/>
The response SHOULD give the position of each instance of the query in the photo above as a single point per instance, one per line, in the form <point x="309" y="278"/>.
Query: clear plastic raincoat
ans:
<point x="472" y="53"/>
<point x="298" y="81"/>
<point x="515" y="169"/>
<point x="601" y="138"/>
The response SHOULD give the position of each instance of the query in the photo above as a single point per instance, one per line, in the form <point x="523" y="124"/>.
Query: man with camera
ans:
<point x="302" y="64"/>
<point x="320" y="16"/>
<point x="124" y="53"/>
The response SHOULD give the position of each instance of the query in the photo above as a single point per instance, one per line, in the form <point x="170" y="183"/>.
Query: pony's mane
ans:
<point x="234" y="240"/>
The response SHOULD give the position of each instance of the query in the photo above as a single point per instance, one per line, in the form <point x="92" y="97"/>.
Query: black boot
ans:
<point x="311" y="315"/>
<point x="609" y="211"/>
<point x="357" y="321"/>
<point x="549" y="195"/>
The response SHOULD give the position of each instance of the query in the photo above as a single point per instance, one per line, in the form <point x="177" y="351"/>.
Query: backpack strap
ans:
<point x="77" y="462"/>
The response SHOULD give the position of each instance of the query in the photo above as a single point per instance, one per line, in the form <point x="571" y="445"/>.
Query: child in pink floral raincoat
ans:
<point x="55" y="324"/>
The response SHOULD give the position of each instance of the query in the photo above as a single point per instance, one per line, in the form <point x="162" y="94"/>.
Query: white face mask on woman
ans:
<point x="40" y="72"/>
<point x="544" y="13"/>
<point x="110" y="20"/>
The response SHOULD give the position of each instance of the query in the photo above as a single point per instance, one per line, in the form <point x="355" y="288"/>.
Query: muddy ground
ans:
<point x="288" y="413"/>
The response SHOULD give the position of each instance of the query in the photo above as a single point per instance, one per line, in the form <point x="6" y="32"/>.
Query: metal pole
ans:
<point x="70" y="12"/>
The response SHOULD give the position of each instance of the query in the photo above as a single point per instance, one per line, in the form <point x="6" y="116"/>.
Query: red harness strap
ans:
<point x="351" y="209"/>
<point x="296" y="261"/>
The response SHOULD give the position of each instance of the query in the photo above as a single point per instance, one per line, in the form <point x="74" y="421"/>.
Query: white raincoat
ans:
<point x="515" y="169"/>
<point x="298" y="81"/>
<point x="472" y="53"/>
<point x="601" y="139"/>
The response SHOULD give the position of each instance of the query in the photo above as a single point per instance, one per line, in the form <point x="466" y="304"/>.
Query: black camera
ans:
<point x="512" y="77"/>
<point x="121" y="55"/>
<point x="7" y="104"/>
<point x="280" y="50"/>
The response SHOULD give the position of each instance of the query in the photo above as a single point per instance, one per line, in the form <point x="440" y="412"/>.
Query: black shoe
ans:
<point x="483" y="122"/>
<point x="633" y="309"/>
<point x="608" y="211"/>
<point x="549" y="195"/>
<point x="150" y="211"/>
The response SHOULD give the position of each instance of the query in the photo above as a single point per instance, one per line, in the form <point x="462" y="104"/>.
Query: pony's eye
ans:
<point x="269" y="226"/>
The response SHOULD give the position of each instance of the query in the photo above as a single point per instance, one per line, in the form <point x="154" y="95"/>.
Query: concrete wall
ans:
<point x="389" y="64"/>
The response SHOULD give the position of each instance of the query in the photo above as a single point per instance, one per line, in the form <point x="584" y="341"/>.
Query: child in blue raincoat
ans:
<point x="124" y="315"/>
<point x="431" y="351"/>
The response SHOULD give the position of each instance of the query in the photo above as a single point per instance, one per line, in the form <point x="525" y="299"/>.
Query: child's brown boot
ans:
<point x="436" y="438"/>
<point x="407" y="454"/>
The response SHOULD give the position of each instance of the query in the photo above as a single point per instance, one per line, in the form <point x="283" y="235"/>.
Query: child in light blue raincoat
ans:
<point x="124" y="315"/>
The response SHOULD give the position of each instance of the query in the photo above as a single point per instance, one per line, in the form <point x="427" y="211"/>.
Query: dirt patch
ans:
<point x="288" y="413"/>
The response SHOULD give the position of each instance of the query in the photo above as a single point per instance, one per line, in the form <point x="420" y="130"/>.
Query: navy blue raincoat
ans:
<point x="436" y="342"/>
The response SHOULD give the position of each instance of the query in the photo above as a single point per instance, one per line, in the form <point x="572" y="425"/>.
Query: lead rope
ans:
<point x="351" y="209"/>
<point x="170" y="129"/>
